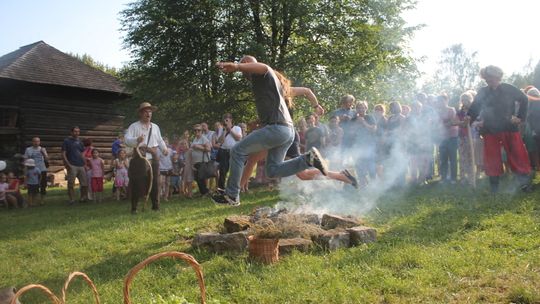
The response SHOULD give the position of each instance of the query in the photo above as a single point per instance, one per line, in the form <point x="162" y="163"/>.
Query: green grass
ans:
<point x="436" y="245"/>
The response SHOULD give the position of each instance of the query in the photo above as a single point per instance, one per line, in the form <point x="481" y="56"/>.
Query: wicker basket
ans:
<point x="263" y="250"/>
<point x="175" y="254"/>
<point x="86" y="279"/>
<point x="44" y="289"/>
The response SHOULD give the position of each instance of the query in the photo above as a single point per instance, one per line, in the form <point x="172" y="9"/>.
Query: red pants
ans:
<point x="517" y="156"/>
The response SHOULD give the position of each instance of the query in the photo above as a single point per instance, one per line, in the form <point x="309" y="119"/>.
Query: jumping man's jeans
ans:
<point x="276" y="139"/>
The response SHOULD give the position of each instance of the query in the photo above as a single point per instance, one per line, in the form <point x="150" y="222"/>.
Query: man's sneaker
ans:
<point x="220" y="191"/>
<point x="526" y="188"/>
<point x="224" y="199"/>
<point x="351" y="178"/>
<point x="314" y="159"/>
<point x="233" y="202"/>
<point x="220" y="198"/>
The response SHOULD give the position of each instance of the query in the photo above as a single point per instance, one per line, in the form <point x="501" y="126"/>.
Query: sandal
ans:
<point x="351" y="178"/>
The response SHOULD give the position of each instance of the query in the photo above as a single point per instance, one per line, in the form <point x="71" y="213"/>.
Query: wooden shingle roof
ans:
<point x="41" y="63"/>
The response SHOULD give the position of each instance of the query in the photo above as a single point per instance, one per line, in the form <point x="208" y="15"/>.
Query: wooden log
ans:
<point x="64" y="132"/>
<point x="91" y="108"/>
<point x="71" y="117"/>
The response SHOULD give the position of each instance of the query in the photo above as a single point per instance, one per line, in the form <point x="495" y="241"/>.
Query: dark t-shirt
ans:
<point x="314" y="136"/>
<point x="269" y="100"/>
<point x="497" y="106"/>
<point x="73" y="148"/>
<point x="533" y="117"/>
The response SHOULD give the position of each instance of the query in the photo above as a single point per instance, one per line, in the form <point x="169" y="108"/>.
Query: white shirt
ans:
<point x="229" y="140"/>
<point x="137" y="129"/>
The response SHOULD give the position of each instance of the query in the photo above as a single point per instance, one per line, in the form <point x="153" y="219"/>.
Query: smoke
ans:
<point x="403" y="154"/>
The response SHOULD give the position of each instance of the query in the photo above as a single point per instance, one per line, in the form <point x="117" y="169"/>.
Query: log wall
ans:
<point x="51" y="119"/>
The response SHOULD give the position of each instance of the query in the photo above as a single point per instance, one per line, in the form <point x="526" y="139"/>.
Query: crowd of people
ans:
<point x="452" y="139"/>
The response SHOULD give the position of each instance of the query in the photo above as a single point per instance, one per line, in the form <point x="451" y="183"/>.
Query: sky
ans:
<point x="503" y="32"/>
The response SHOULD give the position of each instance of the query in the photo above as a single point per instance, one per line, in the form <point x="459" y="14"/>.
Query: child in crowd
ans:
<point x="3" y="190"/>
<point x="87" y="155"/>
<point x="97" y="166"/>
<point x="187" y="174"/>
<point x="14" y="191"/>
<point x="33" y="175"/>
<point x="121" y="179"/>
<point x="176" y="174"/>
<point x="165" y="169"/>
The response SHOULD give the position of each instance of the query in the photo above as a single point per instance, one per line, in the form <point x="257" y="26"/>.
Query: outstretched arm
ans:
<point x="308" y="93"/>
<point x="248" y="67"/>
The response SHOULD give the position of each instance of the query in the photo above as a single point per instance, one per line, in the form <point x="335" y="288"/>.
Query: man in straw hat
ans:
<point x="276" y="134"/>
<point x="147" y="134"/>
<point x="496" y="103"/>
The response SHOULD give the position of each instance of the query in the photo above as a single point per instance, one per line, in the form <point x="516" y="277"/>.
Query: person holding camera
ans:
<point x="226" y="141"/>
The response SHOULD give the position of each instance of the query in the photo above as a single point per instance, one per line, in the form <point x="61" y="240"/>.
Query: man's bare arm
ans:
<point x="248" y="67"/>
<point x="308" y="93"/>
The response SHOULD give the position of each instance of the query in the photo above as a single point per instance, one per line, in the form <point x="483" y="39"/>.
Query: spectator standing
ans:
<point x="176" y="174"/>
<point x="74" y="162"/>
<point x="200" y="148"/>
<point x="97" y="166"/>
<point x="363" y="143"/>
<point x="41" y="158"/>
<point x="87" y="154"/>
<point x="218" y="132"/>
<point x="4" y="186"/>
<point x="501" y="118"/>
<point x="392" y="137"/>
<point x="165" y="171"/>
<point x="533" y="124"/>
<point x="346" y="111"/>
<point x="117" y="145"/>
<point x="121" y="179"/>
<point x="419" y="146"/>
<point x="230" y="137"/>
<point x="31" y="180"/>
<point x="302" y="128"/>
<point x="336" y="133"/>
<point x="449" y="140"/>
<point x="187" y="173"/>
<point x="466" y="165"/>
<point x="314" y="135"/>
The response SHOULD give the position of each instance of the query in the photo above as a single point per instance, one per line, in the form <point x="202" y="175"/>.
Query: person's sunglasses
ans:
<point x="197" y="130"/>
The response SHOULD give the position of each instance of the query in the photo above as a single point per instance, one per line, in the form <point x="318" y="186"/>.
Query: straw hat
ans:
<point x="533" y="94"/>
<point x="30" y="163"/>
<point x="146" y="105"/>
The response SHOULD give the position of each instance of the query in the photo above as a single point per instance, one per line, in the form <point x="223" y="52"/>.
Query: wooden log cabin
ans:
<point x="44" y="92"/>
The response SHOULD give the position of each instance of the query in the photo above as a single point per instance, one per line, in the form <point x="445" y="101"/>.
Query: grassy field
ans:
<point x="436" y="245"/>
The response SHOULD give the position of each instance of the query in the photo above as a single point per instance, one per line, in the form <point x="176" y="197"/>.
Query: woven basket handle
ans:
<point x="174" y="254"/>
<point x="85" y="278"/>
<point x="45" y="290"/>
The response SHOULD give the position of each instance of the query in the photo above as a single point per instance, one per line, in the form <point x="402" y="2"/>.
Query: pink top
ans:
<point x="95" y="164"/>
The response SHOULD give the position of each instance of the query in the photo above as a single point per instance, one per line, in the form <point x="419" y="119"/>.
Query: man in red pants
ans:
<point x="502" y="107"/>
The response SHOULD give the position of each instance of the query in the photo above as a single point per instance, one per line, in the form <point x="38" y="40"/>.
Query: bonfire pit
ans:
<point x="301" y="232"/>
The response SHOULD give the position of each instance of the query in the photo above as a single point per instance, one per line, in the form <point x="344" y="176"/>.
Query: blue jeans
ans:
<point x="448" y="156"/>
<point x="274" y="138"/>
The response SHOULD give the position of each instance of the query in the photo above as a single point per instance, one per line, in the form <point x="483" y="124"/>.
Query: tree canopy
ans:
<point x="333" y="47"/>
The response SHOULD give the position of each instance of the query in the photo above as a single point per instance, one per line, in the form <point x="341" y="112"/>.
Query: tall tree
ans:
<point x="458" y="71"/>
<point x="334" y="47"/>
